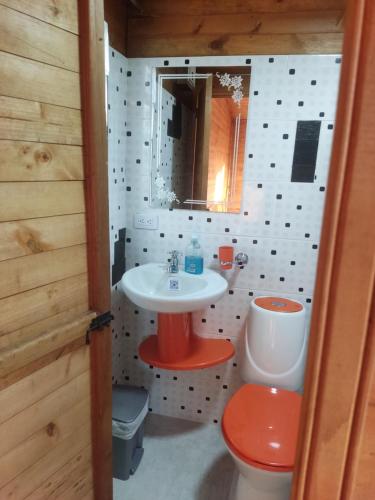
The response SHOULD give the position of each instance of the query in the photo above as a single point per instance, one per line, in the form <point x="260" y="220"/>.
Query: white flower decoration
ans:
<point x="225" y="80"/>
<point x="159" y="182"/>
<point x="162" y="192"/>
<point x="234" y="82"/>
<point x="237" y="82"/>
<point x="237" y="96"/>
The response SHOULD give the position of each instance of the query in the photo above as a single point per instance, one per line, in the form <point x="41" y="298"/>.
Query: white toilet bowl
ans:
<point x="260" y="422"/>
<point x="251" y="483"/>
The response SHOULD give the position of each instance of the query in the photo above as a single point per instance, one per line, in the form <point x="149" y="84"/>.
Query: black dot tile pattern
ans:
<point x="276" y="225"/>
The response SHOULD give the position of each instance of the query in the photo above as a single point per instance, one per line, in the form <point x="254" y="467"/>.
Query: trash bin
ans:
<point x="129" y="409"/>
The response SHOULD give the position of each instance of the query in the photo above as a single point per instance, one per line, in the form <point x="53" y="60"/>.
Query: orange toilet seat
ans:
<point x="260" y="426"/>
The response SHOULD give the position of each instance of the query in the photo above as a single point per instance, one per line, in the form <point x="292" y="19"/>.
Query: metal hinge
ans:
<point x="98" y="323"/>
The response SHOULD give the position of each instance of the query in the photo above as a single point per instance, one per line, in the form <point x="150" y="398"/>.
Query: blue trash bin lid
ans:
<point x="127" y="402"/>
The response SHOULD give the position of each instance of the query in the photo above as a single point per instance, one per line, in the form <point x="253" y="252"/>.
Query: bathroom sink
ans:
<point x="148" y="287"/>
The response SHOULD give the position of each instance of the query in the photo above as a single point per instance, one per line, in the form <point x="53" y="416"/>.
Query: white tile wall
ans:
<point x="280" y="234"/>
<point x="117" y="128"/>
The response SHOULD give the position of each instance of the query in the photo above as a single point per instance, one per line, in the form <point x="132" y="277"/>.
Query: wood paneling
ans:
<point x="23" y="120"/>
<point x="96" y="150"/>
<point x="61" y="13"/>
<point x="41" y="442"/>
<point x="28" y="37"/>
<point x="79" y="487"/>
<point x="58" y="485"/>
<point x="245" y="24"/>
<point x="209" y="7"/>
<point x="207" y="45"/>
<point x="26" y="351"/>
<point x="45" y="430"/>
<point x="24" y="484"/>
<point x="27" y="237"/>
<point x="34" y="330"/>
<point x="363" y="485"/>
<point x="227" y="28"/>
<point x="30" y="307"/>
<point x="38" y="385"/>
<point x="46" y="380"/>
<point x="115" y="13"/>
<point x="96" y="156"/>
<point x="42" y="223"/>
<point x="345" y="281"/>
<point x="88" y="496"/>
<point x="36" y="81"/>
<point x="15" y="430"/>
<point x="42" y="361"/>
<point x="32" y="271"/>
<point x="359" y="481"/>
<point x="24" y="200"/>
<point x="28" y="161"/>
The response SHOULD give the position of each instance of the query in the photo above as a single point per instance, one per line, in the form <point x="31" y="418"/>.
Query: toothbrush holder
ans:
<point x="226" y="254"/>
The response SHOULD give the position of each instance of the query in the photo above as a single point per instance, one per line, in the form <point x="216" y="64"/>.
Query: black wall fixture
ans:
<point x="175" y="125"/>
<point x="118" y="268"/>
<point x="305" y="151"/>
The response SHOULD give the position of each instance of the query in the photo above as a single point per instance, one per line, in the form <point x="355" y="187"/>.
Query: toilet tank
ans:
<point x="274" y="343"/>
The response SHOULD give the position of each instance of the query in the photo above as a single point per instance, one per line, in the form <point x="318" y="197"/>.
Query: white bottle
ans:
<point x="194" y="256"/>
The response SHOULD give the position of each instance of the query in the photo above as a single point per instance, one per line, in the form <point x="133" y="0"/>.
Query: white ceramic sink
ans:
<point x="147" y="287"/>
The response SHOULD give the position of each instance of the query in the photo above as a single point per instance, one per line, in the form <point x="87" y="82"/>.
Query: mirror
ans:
<point x="199" y="137"/>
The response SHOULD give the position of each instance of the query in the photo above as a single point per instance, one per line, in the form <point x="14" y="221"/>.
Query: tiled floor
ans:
<point x="183" y="460"/>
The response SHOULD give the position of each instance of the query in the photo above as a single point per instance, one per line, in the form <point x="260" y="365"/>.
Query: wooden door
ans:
<point x="55" y="390"/>
<point x="336" y="458"/>
<point x="359" y="481"/>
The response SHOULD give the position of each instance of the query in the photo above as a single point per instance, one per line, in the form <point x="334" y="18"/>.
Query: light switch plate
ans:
<point x="145" y="221"/>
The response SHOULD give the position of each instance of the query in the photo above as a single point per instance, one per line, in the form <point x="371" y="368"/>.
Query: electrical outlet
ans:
<point x="146" y="221"/>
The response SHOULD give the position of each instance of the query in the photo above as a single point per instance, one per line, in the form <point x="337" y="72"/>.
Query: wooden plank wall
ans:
<point x="364" y="480"/>
<point x="212" y="27"/>
<point x="43" y="269"/>
<point x="115" y="13"/>
<point x="359" y="482"/>
<point x="45" y="434"/>
<point x="44" y="395"/>
<point x="342" y="348"/>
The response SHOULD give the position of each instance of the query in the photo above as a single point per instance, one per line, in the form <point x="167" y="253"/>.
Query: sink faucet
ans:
<point x="174" y="262"/>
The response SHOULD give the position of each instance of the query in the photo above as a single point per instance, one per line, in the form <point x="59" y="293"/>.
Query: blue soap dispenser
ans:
<point x="194" y="256"/>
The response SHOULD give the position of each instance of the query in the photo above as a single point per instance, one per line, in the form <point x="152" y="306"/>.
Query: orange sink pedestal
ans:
<point x="176" y="347"/>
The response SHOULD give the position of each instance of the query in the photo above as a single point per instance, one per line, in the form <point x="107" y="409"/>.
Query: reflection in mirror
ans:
<point x="199" y="137"/>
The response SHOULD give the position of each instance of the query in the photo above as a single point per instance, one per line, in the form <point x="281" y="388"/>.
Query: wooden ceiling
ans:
<point x="211" y="7"/>
<point x="213" y="27"/>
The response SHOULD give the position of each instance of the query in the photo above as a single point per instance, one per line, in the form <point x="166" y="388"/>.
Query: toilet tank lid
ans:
<point x="278" y="304"/>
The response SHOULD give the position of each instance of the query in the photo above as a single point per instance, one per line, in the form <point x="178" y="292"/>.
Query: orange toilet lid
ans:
<point x="278" y="304"/>
<point x="260" y="426"/>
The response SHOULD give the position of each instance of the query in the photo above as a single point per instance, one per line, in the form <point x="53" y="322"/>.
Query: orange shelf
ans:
<point x="203" y="353"/>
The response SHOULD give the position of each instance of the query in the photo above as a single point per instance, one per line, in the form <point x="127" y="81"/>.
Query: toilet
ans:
<point x="261" y="420"/>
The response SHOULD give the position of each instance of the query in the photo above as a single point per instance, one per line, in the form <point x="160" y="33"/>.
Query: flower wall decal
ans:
<point x="162" y="193"/>
<point x="232" y="82"/>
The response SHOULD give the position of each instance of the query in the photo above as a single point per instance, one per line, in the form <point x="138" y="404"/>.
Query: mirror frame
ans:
<point x="157" y="83"/>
